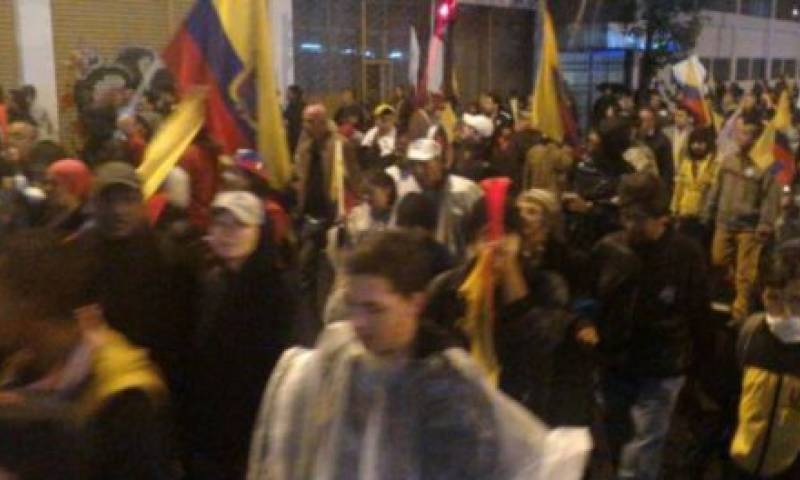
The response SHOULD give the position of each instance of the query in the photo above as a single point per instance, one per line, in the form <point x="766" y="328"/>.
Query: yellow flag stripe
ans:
<point x="171" y="141"/>
<point x="545" y="111"/>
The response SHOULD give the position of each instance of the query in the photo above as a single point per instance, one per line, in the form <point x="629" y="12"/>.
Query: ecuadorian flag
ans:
<point x="226" y="46"/>
<point x="772" y="151"/>
<point x="550" y="110"/>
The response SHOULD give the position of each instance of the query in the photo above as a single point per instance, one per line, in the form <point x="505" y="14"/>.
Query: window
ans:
<point x="787" y="10"/>
<point x="776" y="68"/>
<point x="722" y="69"/>
<point x="758" y="8"/>
<point x="790" y="67"/>
<point x="718" y="5"/>
<point x="742" y="69"/>
<point x="758" y="69"/>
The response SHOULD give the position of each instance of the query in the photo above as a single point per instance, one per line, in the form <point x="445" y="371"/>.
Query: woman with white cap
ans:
<point x="245" y="315"/>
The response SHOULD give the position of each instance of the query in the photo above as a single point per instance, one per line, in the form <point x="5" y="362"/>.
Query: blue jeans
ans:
<point x="638" y="414"/>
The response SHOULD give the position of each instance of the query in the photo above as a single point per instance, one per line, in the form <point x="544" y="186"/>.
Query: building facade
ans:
<point x="750" y="40"/>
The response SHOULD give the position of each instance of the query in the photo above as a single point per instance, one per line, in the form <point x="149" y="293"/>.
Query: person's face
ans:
<point x="748" y="101"/>
<point x="468" y="134"/>
<point x="641" y="228"/>
<point x="120" y="211"/>
<point x="385" y="122"/>
<point x="593" y="142"/>
<point x="681" y="118"/>
<point x="384" y="320"/>
<point x="487" y="105"/>
<point x="647" y="121"/>
<point x="430" y="174"/>
<point x="655" y="102"/>
<point x="58" y="195"/>
<point x="230" y="239"/>
<point x="347" y="97"/>
<point x="626" y="102"/>
<point x="785" y="302"/>
<point x="21" y="137"/>
<point x="745" y="134"/>
<point x="699" y="149"/>
<point x="534" y="222"/>
<point x="379" y="198"/>
<point x="315" y="125"/>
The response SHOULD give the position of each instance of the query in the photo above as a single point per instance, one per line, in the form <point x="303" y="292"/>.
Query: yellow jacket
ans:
<point x="692" y="184"/>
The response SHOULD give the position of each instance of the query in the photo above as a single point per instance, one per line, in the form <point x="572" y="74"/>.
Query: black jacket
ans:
<point x="662" y="148"/>
<point x="542" y="365"/>
<point x="653" y="300"/>
<point x="245" y="326"/>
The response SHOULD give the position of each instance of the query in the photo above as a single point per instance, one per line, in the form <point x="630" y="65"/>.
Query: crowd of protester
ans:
<point x="649" y="274"/>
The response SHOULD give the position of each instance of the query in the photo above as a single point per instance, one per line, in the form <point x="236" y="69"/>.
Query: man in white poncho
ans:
<point x="384" y="396"/>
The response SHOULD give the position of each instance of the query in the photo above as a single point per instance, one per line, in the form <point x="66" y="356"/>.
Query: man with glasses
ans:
<point x="652" y="291"/>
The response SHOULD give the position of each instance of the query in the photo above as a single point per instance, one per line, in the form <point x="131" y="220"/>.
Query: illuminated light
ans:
<point x="311" y="47"/>
<point x="795" y="11"/>
<point x="444" y="11"/>
<point x="396" y="55"/>
<point x="349" y="51"/>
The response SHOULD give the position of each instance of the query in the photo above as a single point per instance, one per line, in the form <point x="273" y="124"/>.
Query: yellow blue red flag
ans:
<point x="226" y="46"/>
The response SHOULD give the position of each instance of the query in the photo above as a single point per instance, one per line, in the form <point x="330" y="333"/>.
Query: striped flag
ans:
<point x="690" y="75"/>
<point x="772" y="151"/>
<point x="550" y="110"/>
<point x="226" y="46"/>
<point x="171" y="140"/>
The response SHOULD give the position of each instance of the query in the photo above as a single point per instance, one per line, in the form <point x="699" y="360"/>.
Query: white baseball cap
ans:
<point x="481" y="123"/>
<point x="245" y="206"/>
<point x="423" y="150"/>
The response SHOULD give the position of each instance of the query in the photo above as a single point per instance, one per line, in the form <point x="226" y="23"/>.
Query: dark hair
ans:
<point x="494" y="96"/>
<point x="296" y="89"/>
<point x="148" y="129"/>
<point x="646" y="192"/>
<point x="115" y="150"/>
<point x="706" y="135"/>
<point x="615" y="138"/>
<point x="380" y="179"/>
<point x="46" y="152"/>
<point x="475" y="221"/>
<point x="49" y="275"/>
<point x="402" y="257"/>
<point x="29" y="90"/>
<point x="782" y="267"/>
<point x="415" y="210"/>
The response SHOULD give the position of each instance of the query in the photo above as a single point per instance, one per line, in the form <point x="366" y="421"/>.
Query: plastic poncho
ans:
<point x="337" y="412"/>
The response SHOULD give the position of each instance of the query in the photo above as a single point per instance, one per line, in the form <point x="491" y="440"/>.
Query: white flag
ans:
<point x="435" y="70"/>
<point x="413" y="58"/>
